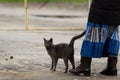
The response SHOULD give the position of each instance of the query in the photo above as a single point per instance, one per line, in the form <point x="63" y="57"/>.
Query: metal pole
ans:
<point x="26" y="14"/>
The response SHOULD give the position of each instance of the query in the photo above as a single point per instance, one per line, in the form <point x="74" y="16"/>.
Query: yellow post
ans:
<point x="89" y="3"/>
<point x="26" y="14"/>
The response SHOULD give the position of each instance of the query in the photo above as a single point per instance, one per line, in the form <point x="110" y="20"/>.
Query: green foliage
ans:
<point x="62" y="1"/>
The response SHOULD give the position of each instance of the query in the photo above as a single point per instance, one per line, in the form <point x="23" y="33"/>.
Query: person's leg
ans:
<point x="92" y="47"/>
<point x="112" y="48"/>
<point x="84" y="67"/>
<point x="111" y="68"/>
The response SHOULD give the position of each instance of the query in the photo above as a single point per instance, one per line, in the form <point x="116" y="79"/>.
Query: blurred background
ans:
<point x="44" y="14"/>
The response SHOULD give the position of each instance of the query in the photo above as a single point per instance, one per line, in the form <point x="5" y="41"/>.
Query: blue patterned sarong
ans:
<point x="100" y="41"/>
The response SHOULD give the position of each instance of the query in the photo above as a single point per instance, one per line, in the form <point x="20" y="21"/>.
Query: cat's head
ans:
<point x="48" y="43"/>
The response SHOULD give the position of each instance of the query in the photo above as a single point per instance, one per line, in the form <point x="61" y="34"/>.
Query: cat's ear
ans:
<point x="51" y="40"/>
<point x="44" y="39"/>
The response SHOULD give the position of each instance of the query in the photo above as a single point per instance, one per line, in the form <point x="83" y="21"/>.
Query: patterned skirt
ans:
<point x="100" y="41"/>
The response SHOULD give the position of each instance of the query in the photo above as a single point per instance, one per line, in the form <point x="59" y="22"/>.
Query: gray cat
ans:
<point x="62" y="50"/>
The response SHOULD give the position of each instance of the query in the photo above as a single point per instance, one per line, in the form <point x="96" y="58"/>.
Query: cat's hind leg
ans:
<point x="72" y="62"/>
<point x="66" y="64"/>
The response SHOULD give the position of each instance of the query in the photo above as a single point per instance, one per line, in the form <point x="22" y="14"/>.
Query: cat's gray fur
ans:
<point x="62" y="50"/>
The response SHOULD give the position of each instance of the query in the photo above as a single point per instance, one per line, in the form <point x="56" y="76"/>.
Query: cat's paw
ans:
<point x="54" y="70"/>
<point x="51" y="69"/>
<point x="65" y="72"/>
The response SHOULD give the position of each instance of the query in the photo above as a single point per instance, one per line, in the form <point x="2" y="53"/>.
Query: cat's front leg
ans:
<point x="55" y="63"/>
<point x="52" y="64"/>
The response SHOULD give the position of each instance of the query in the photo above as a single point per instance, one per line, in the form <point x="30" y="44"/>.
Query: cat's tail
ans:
<point x="76" y="37"/>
